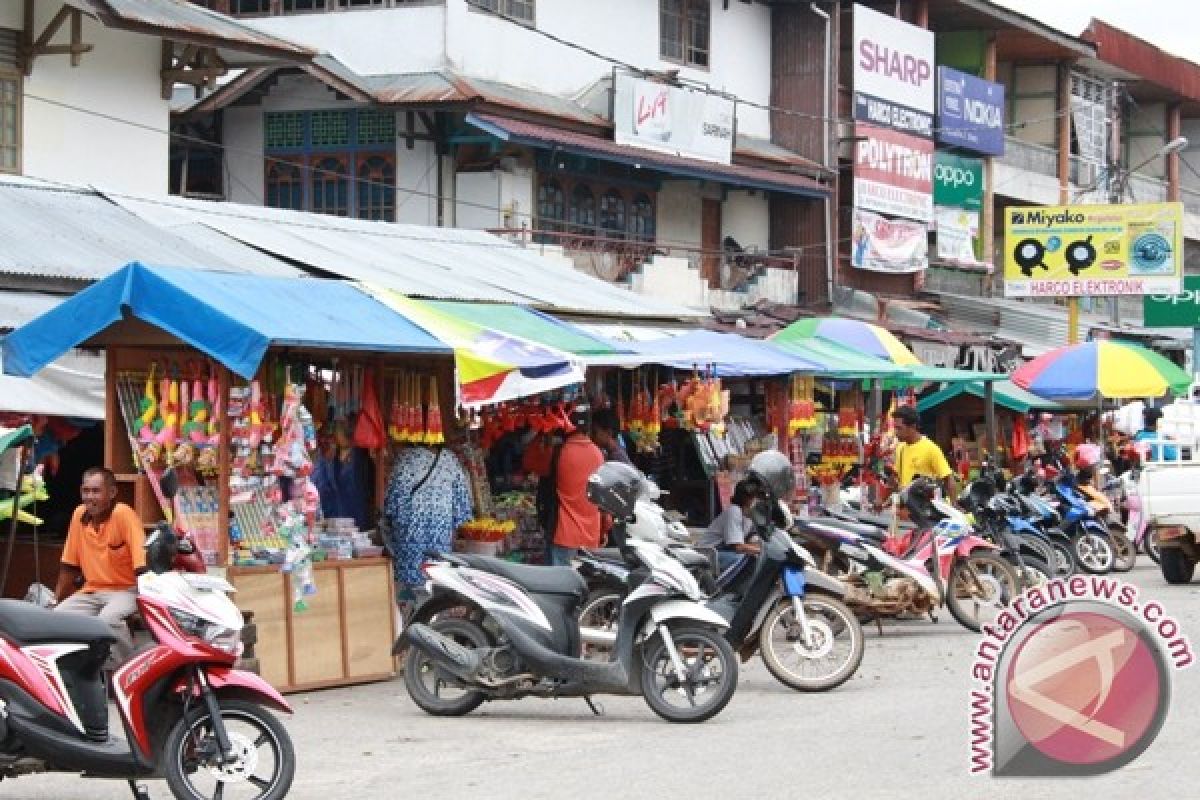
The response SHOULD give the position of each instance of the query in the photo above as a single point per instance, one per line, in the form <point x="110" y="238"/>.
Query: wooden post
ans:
<point x="224" y="466"/>
<point x="1064" y="177"/>
<point x="1174" y="126"/>
<point x="987" y="223"/>
<point x="989" y="414"/>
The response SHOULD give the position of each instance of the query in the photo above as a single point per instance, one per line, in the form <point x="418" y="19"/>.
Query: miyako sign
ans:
<point x="673" y="119"/>
<point x="893" y="173"/>
<point x="893" y="73"/>
<point x="957" y="181"/>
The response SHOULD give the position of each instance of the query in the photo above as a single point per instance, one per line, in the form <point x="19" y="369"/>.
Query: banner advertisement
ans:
<point x="1093" y="250"/>
<point x="1174" y="310"/>
<point x="893" y="60"/>
<point x="883" y="245"/>
<point x="891" y="115"/>
<point x="957" y="236"/>
<point x="893" y="173"/>
<point x="673" y="119"/>
<point x="970" y="112"/>
<point x="957" y="181"/>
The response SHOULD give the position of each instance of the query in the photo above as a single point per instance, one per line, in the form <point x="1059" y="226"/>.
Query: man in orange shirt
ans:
<point x="579" y="523"/>
<point x="106" y="546"/>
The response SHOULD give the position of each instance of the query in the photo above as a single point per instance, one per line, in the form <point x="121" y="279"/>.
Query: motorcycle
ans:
<point x="1090" y="538"/>
<point x="1042" y="514"/>
<point x="946" y="565"/>
<point x="1145" y="536"/>
<point x="493" y="630"/>
<point x="187" y="715"/>
<point x="998" y="515"/>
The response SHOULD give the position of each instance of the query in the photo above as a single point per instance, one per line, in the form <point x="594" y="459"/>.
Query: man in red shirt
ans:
<point x="579" y="523"/>
<point x="107" y="546"/>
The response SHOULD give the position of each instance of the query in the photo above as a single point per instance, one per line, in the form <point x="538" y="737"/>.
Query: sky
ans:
<point x="1170" y="24"/>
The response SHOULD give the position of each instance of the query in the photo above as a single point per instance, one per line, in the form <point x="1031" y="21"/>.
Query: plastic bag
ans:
<point x="40" y="595"/>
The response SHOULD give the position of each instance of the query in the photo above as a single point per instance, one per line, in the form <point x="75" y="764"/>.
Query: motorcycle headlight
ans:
<point x="218" y="636"/>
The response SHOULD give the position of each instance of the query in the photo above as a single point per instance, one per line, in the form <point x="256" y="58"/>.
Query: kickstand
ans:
<point x="879" y="625"/>
<point x="140" y="790"/>
<point x="596" y="708"/>
<point x="933" y="617"/>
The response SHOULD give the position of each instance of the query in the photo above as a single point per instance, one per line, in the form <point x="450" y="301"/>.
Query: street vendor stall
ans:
<point x="227" y="378"/>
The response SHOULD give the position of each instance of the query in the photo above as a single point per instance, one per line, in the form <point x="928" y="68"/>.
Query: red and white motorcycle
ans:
<point x="188" y="715"/>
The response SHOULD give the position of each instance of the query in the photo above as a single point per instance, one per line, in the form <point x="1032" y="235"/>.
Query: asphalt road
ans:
<point x="898" y="729"/>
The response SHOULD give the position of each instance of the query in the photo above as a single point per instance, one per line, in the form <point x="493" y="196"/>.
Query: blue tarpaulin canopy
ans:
<point x="232" y="317"/>
<point x="730" y="355"/>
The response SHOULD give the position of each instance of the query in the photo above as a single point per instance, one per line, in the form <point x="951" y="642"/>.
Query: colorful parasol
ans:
<point x="492" y="366"/>
<point x="1101" y="369"/>
<point x="855" y="334"/>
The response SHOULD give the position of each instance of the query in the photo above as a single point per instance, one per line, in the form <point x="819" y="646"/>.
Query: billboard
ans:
<point x="893" y="172"/>
<point x="1174" y="310"/>
<point x="888" y="245"/>
<point x="673" y="119"/>
<point x="893" y="73"/>
<point x="1090" y="250"/>
<point x="957" y="181"/>
<point x="970" y="112"/>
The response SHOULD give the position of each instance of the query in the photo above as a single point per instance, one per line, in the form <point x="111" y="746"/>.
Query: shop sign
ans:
<point x="957" y="235"/>
<point x="893" y="73"/>
<point x="957" y="181"/>
<point x="1174" y="310"/>
<point x="1093" y="250"/>
<point x="673" y="119"/>
<point x="893" y="173"/>
<point x="970" y="112"/>
<point x="888" y="245"/>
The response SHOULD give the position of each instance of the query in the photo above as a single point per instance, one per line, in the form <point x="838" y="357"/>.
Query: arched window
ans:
<point x="376" y="196"/>
<point x="583" y="210"/>
<point x="551" y="206"/>
<point x="641" y="217"/>
<point x="330" y="182"/>
<point x="285" y="186"/>
<point x="612" y="214"/>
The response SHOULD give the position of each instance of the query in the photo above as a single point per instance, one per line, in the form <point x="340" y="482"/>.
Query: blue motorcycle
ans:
<point x="1090" y="538"/>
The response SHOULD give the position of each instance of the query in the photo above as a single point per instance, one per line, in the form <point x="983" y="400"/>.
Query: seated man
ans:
<point x="106" y="546"/>
<point x="729" y="530"/>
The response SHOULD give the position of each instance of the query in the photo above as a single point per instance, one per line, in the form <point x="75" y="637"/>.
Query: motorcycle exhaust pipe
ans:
<point x="448" y="654"/>
<point x="598" y="636"/>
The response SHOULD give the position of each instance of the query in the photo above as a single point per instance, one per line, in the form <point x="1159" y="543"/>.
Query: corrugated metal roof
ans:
<point x="188" y="22"/>
<point x="57" y="231"/>
<point x="543" y="135"/>
<point x="1144" y="59"/>
<point x="434" y="263"/>
<point x="17" y="308"/>
<point x="767" y="150"/>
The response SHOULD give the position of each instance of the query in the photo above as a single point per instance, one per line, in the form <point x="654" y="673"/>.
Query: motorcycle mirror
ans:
<point x="169" y="483"/>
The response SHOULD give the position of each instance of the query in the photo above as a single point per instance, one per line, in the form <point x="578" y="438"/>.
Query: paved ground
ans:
<point x="899" y="729"/>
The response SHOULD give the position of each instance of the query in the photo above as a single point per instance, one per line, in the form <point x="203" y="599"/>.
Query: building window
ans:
<point x="258" y="8"/>
<point x="583" y="210"/>
<point x="641" y="217"/>
<point x="552" y="206"/>
<point x="684" y="31"/>
<point x="612" y="214"/>
<point x="10" y="122"/>
<point x="332" y="162"/>
<point x="623" y="213"/>
<point x="519" y="10"/>
<point x="250" y="7"/>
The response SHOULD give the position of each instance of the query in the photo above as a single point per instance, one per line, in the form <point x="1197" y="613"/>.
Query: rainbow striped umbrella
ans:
<point x="492" y="366"/>
<point x="1101" y="369"/>
<point x="855" y="334"/>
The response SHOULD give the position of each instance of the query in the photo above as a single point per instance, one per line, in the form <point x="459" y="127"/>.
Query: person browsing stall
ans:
<point x="606" y="436"/>
<point x="578" y="522"/>
<point x="917" y="455"/>
<point x="106" y="548"/>
<point x="1149" y="433"/>
<point x="728" y="532"/>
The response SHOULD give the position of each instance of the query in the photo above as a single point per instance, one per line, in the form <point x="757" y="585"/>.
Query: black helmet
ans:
<point x="615" y="487"/>
<point x="581" y="417"/>
<point x="773" y="469"/>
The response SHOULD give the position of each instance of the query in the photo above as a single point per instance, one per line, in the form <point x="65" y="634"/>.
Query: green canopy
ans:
<point x="840" y="361"/>
<point x="923" y="373"/>
<point x="1006" y="394"/>
<point x="525" y="323"/>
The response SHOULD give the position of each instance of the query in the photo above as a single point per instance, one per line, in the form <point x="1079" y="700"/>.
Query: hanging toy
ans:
<point x="148" y="406"/>
<point x="434" y="433"/>
<point x="169" y="433"/>
<point x="256" y="414"/>
<point x="213" y="429"/>
<point x="394" y="430"/>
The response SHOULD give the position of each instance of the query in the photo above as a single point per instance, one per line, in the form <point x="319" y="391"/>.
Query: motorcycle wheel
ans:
<point x="834" y="655"/>
<point x="710" y="680"/>
<point x="1064" y="560"/>
<point x="1035" y="573"/>
<point x="426" y="683"/>
<point x="600" y="611"/>
<point x="980" y="582"/>
<point x="1124" y="553"/>
<point x="1150" y="545"/>
<point x="1093" y="554"/>
<point x="189" y="763"/>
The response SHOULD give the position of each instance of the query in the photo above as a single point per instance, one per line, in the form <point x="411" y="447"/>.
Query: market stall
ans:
<point x="228" y="378"/>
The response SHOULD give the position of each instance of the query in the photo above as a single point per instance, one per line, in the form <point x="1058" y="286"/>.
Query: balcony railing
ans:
<point x="1029" y="156"/>
<point x="1146" y="189"/>
<point x="1191" y="199"/>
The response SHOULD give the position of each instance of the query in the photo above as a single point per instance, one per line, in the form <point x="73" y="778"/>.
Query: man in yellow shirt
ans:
<point x="917" y="455"/>
<point x="106" y="546"/>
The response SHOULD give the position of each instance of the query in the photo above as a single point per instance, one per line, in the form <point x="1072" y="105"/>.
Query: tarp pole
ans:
<point x="876" y="415"/>
<point x="989" y="411"/>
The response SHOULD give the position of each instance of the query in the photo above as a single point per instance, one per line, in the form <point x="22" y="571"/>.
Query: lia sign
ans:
<point x="1174" y="310"/>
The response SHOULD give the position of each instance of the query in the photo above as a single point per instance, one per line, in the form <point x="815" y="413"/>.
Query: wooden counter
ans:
<point x="345" y="636"/>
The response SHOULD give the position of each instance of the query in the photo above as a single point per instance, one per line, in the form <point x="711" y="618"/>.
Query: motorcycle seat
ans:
<point x="862" y="529"/>
<point x="610" y="554"/>
<point x="692" y="559"/>
<point x="873" y="520"/>
<point x="27" y="624"/>
<point x="535" y="579"/>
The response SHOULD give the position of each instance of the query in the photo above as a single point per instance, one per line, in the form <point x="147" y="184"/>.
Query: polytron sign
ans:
<point x="1089" y="250"/>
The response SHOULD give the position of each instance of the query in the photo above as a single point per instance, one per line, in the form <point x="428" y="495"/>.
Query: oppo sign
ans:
<point x="957" y="181"/>
<point x="953" y="176"/>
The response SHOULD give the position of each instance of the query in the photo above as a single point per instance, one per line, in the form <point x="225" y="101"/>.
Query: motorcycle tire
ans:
<point x="1093" y="553"/>
<point x="600" y="610"/>
<point x="418" y="667"/>
<point x="997" y="568"/>
<point x="691" y="641"/>
<point x="1124" y="553"/>
<point x="1064" y="560"/>
<point x="1035" y="572"/>
<point x="1150" y="545"/>
<point x="1177" y="568"/>
<point x="832" y="622"/>
<point x="181" y="765"/>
